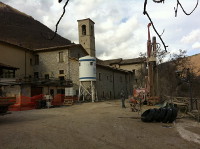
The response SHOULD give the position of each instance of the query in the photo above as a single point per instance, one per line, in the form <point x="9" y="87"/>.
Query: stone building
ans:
<point x="62" y="63"/>
<point x="32" y="67"/>
<point x="110" y="82"/>
<point x="136" y="65"/>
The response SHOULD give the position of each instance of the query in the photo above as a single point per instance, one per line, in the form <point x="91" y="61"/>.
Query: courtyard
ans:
<point x="101" y="125"/>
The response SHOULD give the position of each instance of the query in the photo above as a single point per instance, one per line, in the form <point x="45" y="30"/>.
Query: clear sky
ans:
<point x="120" y="26"/>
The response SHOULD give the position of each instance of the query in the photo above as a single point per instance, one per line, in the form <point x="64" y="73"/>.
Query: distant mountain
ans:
<point x="21" y="29"/>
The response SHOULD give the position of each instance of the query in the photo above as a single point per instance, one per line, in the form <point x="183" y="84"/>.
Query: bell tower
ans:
<point x="86" y="35"/>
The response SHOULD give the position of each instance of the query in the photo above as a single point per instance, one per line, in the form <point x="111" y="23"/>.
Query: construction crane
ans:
<point x="151" y="64"/>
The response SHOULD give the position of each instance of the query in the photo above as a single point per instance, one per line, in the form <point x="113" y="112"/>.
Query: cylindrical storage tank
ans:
<point x="87" y="68"/>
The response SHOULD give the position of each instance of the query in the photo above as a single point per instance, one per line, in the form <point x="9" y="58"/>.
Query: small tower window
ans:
<point x="61" y="59"/>
<point x="46" y="76"/>
<point x="36" y="74"/>
<point x="31" y="61"/>
<point x="36" y="59"/>
<point x="83" y="29"/>
<point x="61" y="71"/>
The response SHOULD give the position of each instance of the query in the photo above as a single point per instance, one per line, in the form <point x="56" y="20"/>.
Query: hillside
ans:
<point x="18" y="28"/>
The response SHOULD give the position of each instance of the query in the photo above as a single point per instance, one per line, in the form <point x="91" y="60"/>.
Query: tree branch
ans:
<point x="162" y="32"/>
<point x="146" y="13"/>
<point x="159" y="1"/>
<point x="176" y="11"/>
<point x="179" y="4"/>
<point x="55" y="33"/>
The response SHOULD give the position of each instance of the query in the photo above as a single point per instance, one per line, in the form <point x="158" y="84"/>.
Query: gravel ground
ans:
<point x="102" y="125"/>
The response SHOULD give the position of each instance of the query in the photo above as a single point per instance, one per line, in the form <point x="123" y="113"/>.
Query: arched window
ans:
<point x="83" y="29"/>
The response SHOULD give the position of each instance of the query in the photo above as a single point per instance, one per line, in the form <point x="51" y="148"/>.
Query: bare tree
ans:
<point x="168" y="77"/>
<point x="145" y="12"/>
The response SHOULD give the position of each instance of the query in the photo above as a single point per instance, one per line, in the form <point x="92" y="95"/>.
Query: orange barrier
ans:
<point x="36" y="98"/>
<point x="58" y="100"/>
<point x="7" y="100"/>
<point x="29" y="103"/>
<point x="25" y="103"/>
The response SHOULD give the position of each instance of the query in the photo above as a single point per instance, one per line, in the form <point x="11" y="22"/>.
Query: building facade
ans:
<point x="15" y="68"/>
<point x="50" y="70"/>
<point x="137" y="66"/>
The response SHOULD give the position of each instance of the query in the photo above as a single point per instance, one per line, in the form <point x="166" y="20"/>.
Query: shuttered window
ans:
<point x="61" y="59"/>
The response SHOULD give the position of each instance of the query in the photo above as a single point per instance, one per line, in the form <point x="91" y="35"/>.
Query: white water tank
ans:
<point x="87" y="68"/>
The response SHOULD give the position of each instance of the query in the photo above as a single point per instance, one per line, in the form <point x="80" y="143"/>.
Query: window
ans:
<point x="61" y="78"/>
<point x="46" y="76"/>
<point x="91" y="63"/>
<point x="1" y="73"/>
<point x="61" y="71"/>
<point x="31" y="63"/>
<point x="5" y="73"/>
<point x="1" y="92"/>
<point x="61" y="57"/>
<point x="83" y="29"/>
<point x="107" y="77"/>
<point x="52" y="92"/>
<point x="99" y="76"/>
<point x="36" y="74"/>
<point x="60" y="91"/>
<point x="36" y="59"/>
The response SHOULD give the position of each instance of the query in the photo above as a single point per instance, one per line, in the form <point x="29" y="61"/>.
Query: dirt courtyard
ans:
<point x="102" y="125"/>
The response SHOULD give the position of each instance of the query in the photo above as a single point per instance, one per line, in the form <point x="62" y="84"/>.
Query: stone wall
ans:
<point x="110" y="82"/>
<point x="74" y="73"/>
<point x="49" y="64"/>
<point x="139" y="73"/>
